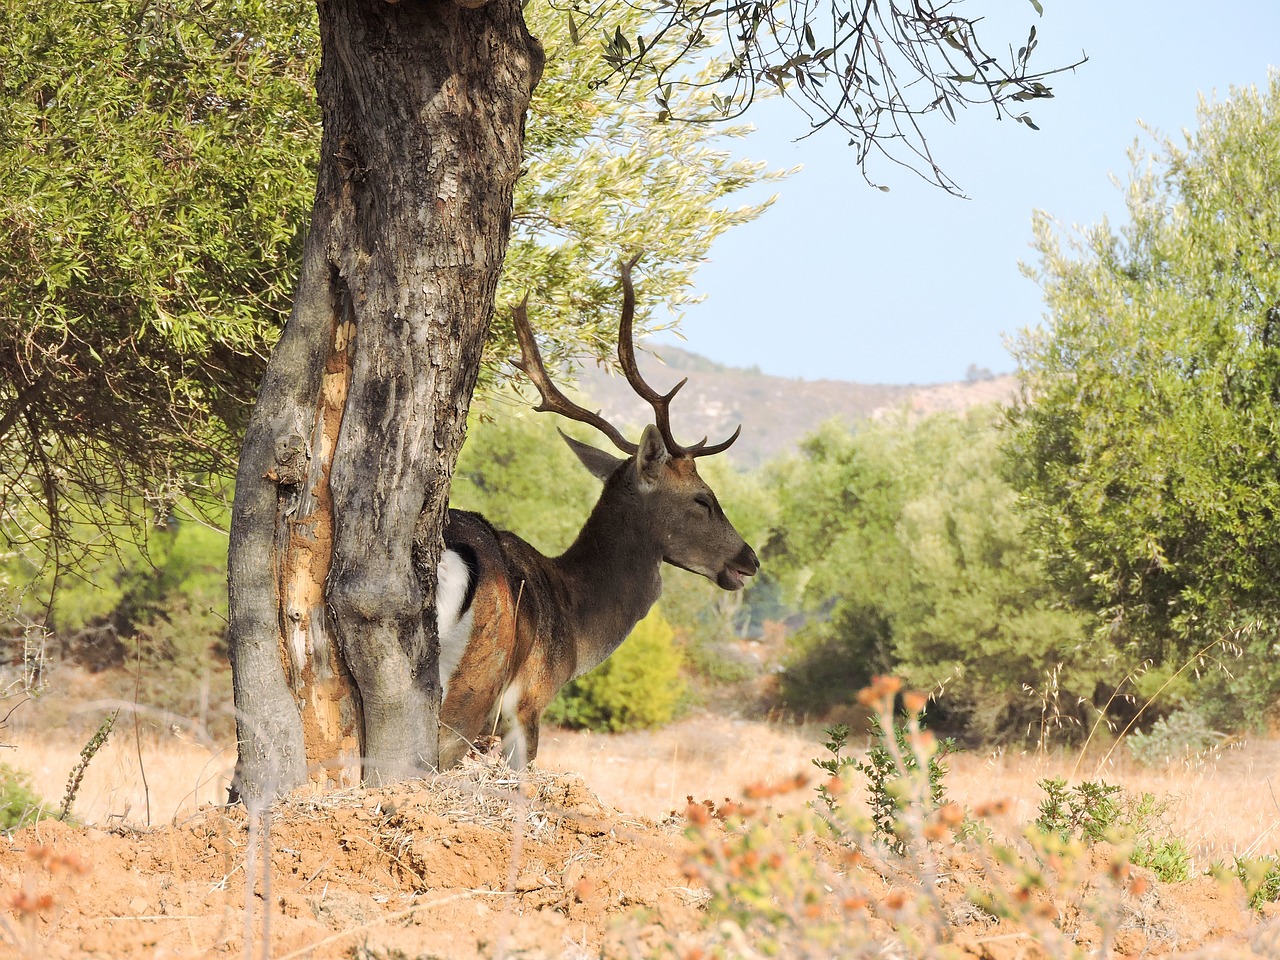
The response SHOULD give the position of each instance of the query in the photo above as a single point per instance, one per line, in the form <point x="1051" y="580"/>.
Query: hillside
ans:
<point x="776" y="412"/>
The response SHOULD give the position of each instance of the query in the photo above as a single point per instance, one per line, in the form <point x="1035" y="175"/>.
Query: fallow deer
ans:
<point x="516" y="626"/>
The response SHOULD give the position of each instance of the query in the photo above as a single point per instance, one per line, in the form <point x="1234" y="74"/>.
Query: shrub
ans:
<point x="1261" y="879"/>
<point x="19" y="804"/>
<point x="1088" y="811"/>
<point x="889" y="767"/>
<point x="1181" y="735"/>
<point x="1094" y="811"/>
<point x="638" y="686"/>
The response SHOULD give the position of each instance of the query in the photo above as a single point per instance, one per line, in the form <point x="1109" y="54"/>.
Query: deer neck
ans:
<point x="614" y="572"/>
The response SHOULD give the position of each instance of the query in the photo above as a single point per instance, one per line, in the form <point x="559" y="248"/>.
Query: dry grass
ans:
<point x="1225" y="806"/>
<point x="652" y="772"/>
<point x="179" y="776"/>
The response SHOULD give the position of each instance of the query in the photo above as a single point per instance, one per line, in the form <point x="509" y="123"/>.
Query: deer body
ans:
<point x="515" y="626"/>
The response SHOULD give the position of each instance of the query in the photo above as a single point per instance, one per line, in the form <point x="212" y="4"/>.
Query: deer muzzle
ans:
<point x="735" y="572"/>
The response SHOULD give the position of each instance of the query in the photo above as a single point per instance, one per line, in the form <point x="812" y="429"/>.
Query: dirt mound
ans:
<point x="479" y="863"/>
<point x="470" y="866"/>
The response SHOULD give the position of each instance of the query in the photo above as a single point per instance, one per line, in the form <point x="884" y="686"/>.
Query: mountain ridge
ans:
<point x="775" y="412"/>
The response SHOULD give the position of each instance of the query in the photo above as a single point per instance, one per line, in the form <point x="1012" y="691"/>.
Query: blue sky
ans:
<point x="842" y="281"/>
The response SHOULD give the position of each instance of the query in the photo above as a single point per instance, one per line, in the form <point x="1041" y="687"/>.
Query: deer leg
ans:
<point x="514" y="740"/>
<point x="529" y="727"/>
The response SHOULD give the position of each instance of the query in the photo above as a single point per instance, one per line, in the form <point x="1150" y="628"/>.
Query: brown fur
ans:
<point x="540" y="621"/>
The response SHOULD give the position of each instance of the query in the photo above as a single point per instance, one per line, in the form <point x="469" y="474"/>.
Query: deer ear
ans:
<point x="600" y="464"/>
<point x="652" y="455"/>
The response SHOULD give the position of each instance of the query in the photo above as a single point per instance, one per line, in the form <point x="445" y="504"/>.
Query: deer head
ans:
<point x="656" y="485"/>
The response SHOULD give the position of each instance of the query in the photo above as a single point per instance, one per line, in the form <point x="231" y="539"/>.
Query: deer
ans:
<point x="514" y="625"/>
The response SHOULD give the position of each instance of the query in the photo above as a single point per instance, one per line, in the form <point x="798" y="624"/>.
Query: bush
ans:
<point x="638" y="686"/>
<point x="1094" y="812"/>
<point x="1261" y="879"/>
<point x="906" y="549"/>
<point x="1181" y="735"/>
<point x="889" y="768"/>
<point x="19" y="804"/>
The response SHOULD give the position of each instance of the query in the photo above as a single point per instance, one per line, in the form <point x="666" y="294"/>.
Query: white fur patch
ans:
<point x="514" y="744"/>
<point x="453" y="577"/>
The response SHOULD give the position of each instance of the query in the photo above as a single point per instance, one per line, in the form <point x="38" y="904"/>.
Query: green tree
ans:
<point x="975" y="614"/>
<point x="904" y="544"/>
<point x="394" y="302"/>
<point x="156" y="176"/>
<point x="152" y="201"/>
<point x="1146" y="440"/>
<point x="835" y="549"/>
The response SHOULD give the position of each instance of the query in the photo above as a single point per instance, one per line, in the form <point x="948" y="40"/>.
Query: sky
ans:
<point x="841" y="281"/>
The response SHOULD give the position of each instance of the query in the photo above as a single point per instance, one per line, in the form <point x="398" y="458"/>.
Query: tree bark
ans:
<point x="363" y="408"/>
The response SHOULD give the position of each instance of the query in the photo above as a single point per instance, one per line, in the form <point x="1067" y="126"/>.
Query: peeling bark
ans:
<point x="363" y="410"/>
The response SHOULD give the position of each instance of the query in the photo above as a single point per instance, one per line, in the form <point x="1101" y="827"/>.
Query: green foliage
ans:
<point x="889" y="769"/>
<point x="156" y="176"/>
<point x="905" y="547"/>
<point x="1182" y="735"/>
<point x="606" y="179"/>
<point x="1145" y="442"/>
<point x="1168" y="858"/>
<point x="836" y="766"/>
<point x="1094" y="812"/>
<point x="639" y="686"/>
<point x="153" y="189"/>
<point x="1088" y="811"/>
<point x="1261" y="879"/>
<point x="19" y="804"/>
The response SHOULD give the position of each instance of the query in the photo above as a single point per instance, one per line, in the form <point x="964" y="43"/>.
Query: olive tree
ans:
<point x="157" y="166"/>
<point x="345" y="470"/>
<point x="1145" y="442"/>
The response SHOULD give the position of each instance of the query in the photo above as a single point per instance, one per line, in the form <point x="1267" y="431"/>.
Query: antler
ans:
<point x="661" y="402"/>
<point x="553" y="401"/>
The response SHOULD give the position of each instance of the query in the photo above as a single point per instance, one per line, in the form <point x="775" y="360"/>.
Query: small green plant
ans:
<point x="638" y="686"/>
<point x="1168" y="858"/>
<point x="889" y="766"/>
<point x="19" y="804"/>
<point x="837" y="765"/>
<point x="1261" y="879"/>
<point x="1094" y="811"/>
<point x="1087" y="811"/>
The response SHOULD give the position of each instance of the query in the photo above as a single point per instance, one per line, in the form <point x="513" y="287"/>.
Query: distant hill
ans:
<point x="775" y="412"/>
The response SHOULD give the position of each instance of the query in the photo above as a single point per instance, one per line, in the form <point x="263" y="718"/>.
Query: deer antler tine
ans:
<point x="627" y="360"/>
<point x="553" y="401"/>
<point x="701" y="449"/>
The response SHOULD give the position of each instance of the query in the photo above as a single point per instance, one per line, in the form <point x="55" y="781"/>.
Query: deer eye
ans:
<point x="703" y="501"/>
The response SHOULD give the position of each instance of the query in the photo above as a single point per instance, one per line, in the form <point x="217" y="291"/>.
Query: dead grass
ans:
<point x="651" y="772"/>
<point x="180" y="776"/>
<point x="1225" y="806"/>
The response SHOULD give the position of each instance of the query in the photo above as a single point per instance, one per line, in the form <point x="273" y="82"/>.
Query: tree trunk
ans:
<point x="363" y="408"/>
